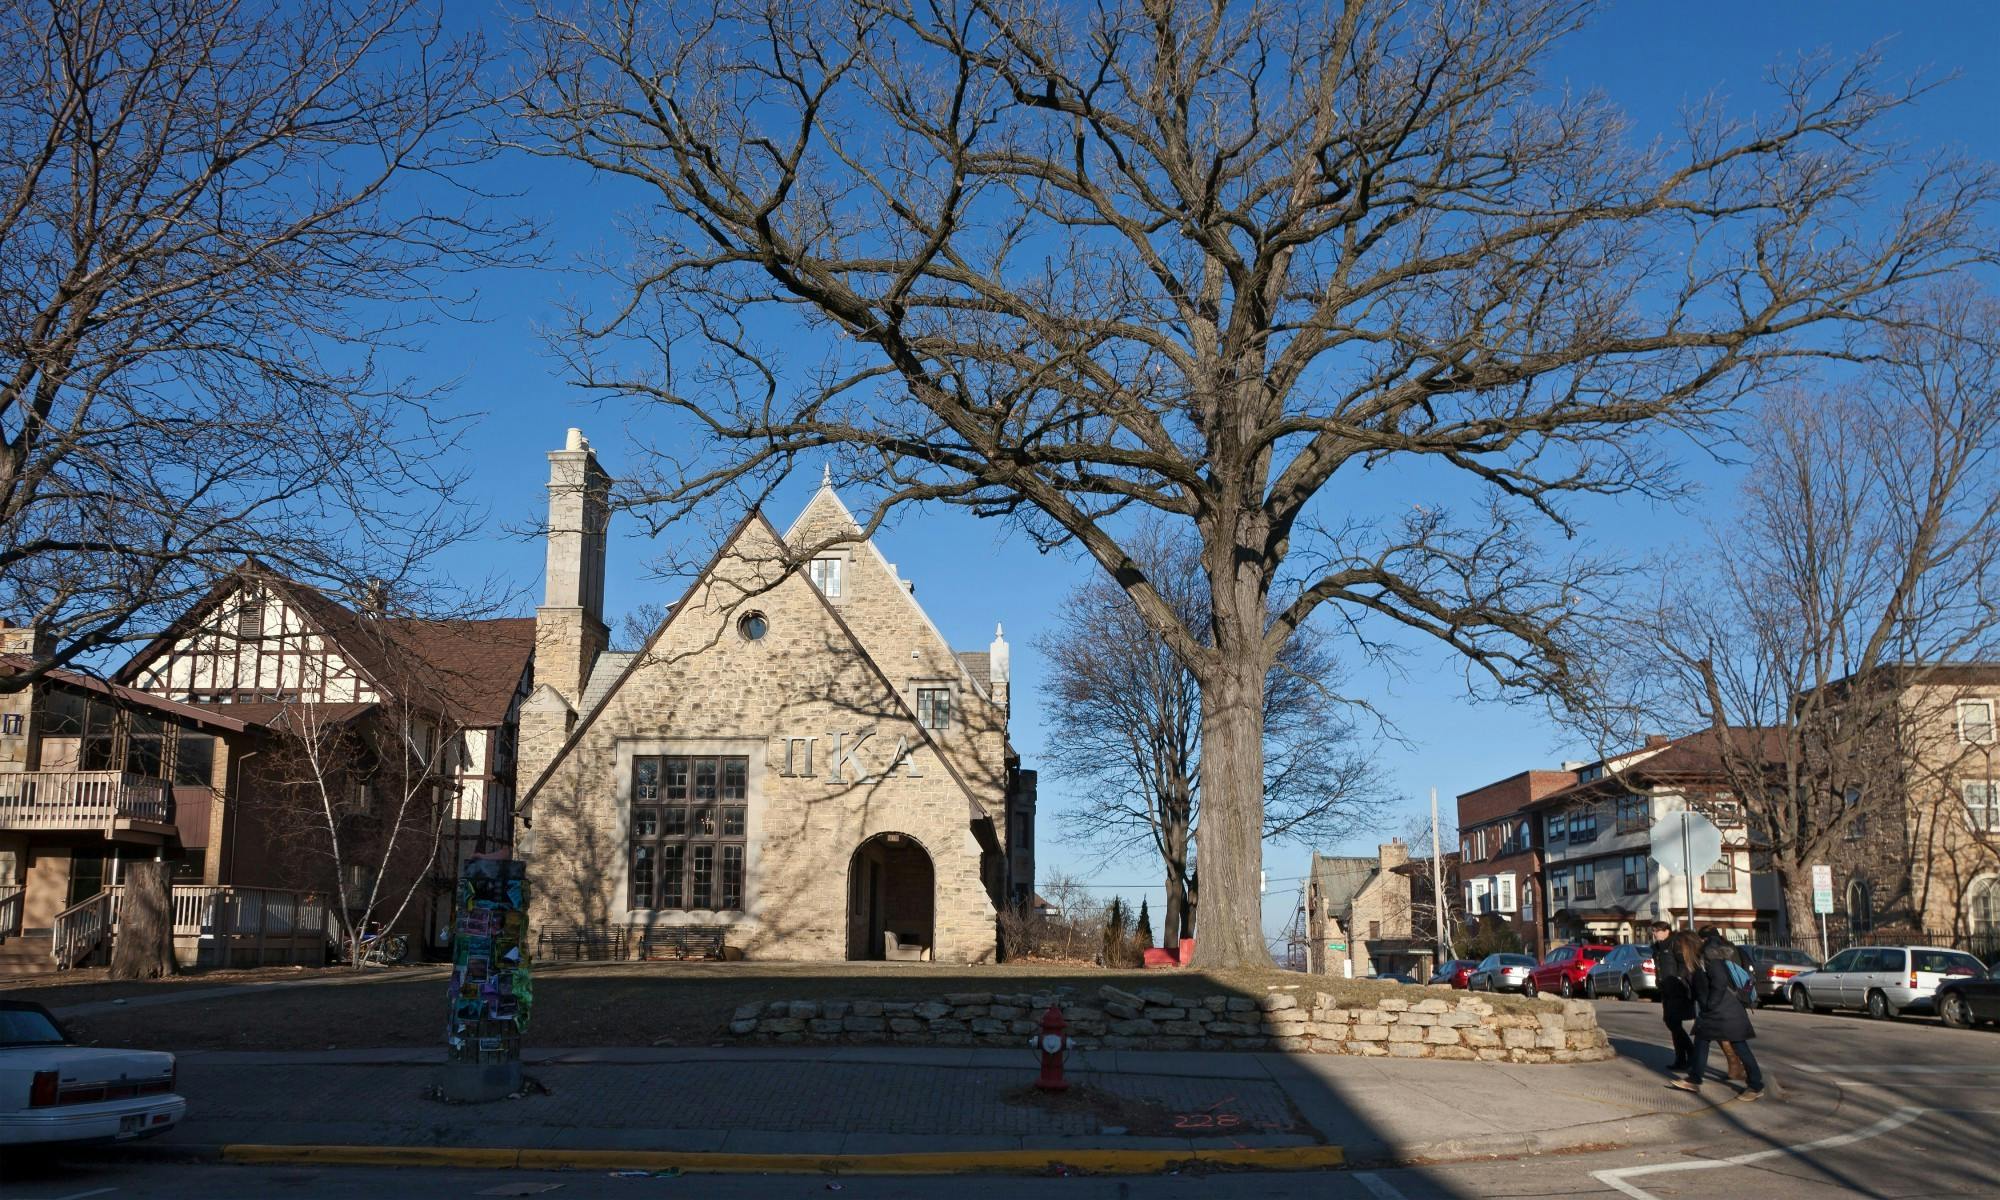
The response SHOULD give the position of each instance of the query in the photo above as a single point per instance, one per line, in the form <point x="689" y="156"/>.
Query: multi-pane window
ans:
<point x="1583" y="825"/>
<point x="1583" y="881"/>
<point x="1558" y="825"/>
<point x="1982" y="804"/>
<point x="1634" y="813"/>
<point x="1975" y="722"/>
<point x="1721" y="877"/>
<point x="1503" y="893"/>
<point x="1559" y="887"/>
<point x="1635" y="874"/>
<point x="688" y="820"/>
<point x="934" y="707"/>
<point x="825" y="574"/>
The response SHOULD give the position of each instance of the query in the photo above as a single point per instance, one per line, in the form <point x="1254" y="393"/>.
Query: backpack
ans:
<point x="1739" y="979"/>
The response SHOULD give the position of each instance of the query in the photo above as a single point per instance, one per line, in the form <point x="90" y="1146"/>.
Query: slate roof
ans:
<point x="1341" y="879"/>
<point x="603" y="673"/>
<point x="979" y="665"/>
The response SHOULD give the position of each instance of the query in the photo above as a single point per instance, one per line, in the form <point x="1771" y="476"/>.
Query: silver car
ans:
<point x="1500" y="973"/>
<point x="1884" y="980"/>
<point x="1626" y="972"/>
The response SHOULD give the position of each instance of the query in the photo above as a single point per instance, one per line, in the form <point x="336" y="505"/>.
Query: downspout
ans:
<point x="230" y="816"/>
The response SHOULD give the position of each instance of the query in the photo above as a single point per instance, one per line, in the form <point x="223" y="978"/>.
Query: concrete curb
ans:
<point x="1116" y="1162"/>
<point x="1621" y="1133"/>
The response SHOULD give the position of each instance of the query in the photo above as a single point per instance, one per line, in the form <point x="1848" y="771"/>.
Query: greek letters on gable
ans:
<point x="845" y="755"/>
<point x="903" y="758"/>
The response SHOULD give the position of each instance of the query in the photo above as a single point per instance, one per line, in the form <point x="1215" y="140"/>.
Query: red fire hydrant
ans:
<point x="1053" y="1045"/>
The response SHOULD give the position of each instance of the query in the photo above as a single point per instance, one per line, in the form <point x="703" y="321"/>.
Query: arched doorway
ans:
<point x="891" y="899"/>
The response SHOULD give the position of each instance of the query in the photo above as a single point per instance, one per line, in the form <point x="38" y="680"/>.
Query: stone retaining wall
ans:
<point x="1423" y="1022"/>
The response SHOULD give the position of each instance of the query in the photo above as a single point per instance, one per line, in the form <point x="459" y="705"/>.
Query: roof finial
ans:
<point x="826" y="474"/>
<point x="998" y="633"/>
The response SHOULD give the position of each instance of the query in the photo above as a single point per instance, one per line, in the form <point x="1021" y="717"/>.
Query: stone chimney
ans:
<point x="1394" y="854"/>
<point x="996" y="668"/>
<point x="569" y="626"/>
<point x="25" y="639"/>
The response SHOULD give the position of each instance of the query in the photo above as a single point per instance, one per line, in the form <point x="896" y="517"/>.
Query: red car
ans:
<point x="1563" y="970"/>
<point x="1455" y="972"/>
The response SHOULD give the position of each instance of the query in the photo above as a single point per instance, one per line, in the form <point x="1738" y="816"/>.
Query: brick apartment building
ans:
<point x="1500" y="852"/>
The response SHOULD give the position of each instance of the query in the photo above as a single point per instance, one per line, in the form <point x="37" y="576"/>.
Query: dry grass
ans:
<point x="628" y="1004"/>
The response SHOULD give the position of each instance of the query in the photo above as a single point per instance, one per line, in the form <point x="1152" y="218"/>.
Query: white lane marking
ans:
<point x="1616" y="1178"/>
<point x="1378" y="1187"/>
<point x="1894" y="1069"/>
<point x="83" y="1195"/>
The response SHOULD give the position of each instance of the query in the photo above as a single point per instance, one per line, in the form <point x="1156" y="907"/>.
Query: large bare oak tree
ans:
<point x="1124" y="727"/>
<point x="214" y="218"/>
<point x="1064" y="263"/>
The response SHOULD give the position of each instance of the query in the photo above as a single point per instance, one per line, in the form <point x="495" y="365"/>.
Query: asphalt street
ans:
<point x="1897" y="1109"/>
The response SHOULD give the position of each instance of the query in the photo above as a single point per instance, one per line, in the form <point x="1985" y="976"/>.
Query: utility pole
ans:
<point x="1438" y="901"/>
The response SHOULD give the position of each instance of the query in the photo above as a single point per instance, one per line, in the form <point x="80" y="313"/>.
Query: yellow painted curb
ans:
<point x="1113" y="1162"/>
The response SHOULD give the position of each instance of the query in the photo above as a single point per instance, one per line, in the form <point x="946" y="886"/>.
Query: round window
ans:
<point x="753" y="626"/>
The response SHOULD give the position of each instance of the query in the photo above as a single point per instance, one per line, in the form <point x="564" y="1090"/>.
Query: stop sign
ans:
<point x="1686" y="843"/>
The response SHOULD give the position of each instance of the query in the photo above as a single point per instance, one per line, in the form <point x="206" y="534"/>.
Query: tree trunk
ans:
<point x="1232" y="802"/>
<point x="144" y="946"/>
<point x="1795" y="885"/>
<point x="1170" y="928"/>
<point x="1192" y="904"/>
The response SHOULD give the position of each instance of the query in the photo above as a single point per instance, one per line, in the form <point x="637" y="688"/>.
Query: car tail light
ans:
<point x="1913" y="981"/>
<point x="1650" y="968"/>
<point x="42" y="1092"/>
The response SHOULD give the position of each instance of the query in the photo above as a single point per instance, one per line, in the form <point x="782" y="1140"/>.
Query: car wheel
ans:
<point x="1528" y="986"/>
<point x="1953" y="1010"/>
<point x="1625" y="987"/>
<point x="1566" y="988"/>
<point x="1879" y="1006"/>
<point x="1590" y="987"/>
<point x="1800" y="1001"/>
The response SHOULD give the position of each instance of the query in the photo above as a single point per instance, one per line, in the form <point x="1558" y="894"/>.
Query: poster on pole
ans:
<point x="1822" y="885"/>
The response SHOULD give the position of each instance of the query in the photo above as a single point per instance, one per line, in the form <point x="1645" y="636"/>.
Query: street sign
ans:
<point x="1686" y="843"/>
<point x="1337" y="947"/>
<point x="1822" y="883"/>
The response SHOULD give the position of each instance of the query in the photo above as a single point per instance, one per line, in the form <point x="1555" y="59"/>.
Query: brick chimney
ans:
<point x="25" y="639"/>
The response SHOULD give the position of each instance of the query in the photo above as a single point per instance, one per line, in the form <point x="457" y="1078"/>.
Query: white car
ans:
<point x="52" y="1090"/>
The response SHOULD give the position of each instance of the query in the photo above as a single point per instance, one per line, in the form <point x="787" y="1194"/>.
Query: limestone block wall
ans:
<point x="1423" y="1022"/>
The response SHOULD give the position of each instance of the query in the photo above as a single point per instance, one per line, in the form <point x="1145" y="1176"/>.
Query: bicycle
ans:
<point x="377" y="948"/>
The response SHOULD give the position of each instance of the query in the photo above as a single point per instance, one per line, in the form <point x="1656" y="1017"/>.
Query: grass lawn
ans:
<point x="621" y="1004"/>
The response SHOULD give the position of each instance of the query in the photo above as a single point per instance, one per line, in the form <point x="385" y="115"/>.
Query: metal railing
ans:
<point x="79" y="799"/>
<point x="237" y="925"/>
<point x="13" y="904"/>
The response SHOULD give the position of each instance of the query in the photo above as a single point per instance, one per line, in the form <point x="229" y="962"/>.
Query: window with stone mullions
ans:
<point x="688" y="818"/>
<point x="933" y="707"/>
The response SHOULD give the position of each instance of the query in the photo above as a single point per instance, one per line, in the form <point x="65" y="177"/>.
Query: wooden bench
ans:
<point x="581" y="943"/>
<point x="682" y="941"/>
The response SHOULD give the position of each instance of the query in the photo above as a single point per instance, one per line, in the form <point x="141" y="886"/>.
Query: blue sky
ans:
<point x="1649" y="57"/>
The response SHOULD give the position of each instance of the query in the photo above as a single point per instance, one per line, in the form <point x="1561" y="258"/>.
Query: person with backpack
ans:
<point x="1676" y="998"/>
<point x="1718" y="981"/>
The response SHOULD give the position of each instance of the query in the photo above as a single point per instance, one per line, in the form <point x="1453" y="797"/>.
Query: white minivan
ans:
<point x="1884" y="980"/>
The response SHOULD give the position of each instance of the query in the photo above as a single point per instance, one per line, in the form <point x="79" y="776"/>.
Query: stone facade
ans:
<point x="1418" y="1023"/>
<point x="859" y="819"/>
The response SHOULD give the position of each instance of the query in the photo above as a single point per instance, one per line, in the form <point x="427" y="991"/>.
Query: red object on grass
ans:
<point x="1053" y="1045"/>
<point x="1165" y="958"/>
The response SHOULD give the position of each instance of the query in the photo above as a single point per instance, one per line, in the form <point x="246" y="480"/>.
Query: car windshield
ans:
<point x="1784" y="957"/>
<point x="1516" y="960"/>
<point x="27" y="1027"/>
<point x="1946" y="962"/>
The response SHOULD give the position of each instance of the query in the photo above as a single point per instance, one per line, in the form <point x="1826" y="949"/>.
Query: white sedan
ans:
<point x="52" y="1090"/>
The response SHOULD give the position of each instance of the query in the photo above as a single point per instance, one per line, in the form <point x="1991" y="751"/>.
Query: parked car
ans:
<point x="1500" y="973"/>
<point x="1963" y="1002"/>
<point x="53" y="1090"/>
<point x="1563" y="970"/>
<point x="1884" y="980"/>
<point x="1455" y="972"/>
<point x="1626" y="972"/>
<point x="1775" y="967"/>
<point x="1394" y="977"/>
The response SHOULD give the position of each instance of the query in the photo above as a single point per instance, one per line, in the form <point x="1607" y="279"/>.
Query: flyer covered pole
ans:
<point x="490" y="993"/>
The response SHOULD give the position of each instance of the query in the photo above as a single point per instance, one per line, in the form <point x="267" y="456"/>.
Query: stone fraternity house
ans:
<point x="1359" y="916"/>
<point x="795" y="764"/>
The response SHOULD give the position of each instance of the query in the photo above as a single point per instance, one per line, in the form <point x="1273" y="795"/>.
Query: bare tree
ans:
<point x="205" y="242"/>
<point x="1824" y="640"/>
<point x="1125" y="728"/>
<point x="1060" y="264"/>
<point x="362" y="800"/>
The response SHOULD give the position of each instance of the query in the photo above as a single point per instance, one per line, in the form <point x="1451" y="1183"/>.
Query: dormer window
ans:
<point x="825" y="574"/>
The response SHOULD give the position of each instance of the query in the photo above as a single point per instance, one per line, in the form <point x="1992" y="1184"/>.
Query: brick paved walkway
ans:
<point x="691" y="1103"/>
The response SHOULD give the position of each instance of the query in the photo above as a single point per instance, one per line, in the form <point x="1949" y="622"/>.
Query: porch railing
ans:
<point x="79" y="799"/>
<point x="13" y="904"/>
<point x="81" y="928"/>
<point x="237" y="926"/>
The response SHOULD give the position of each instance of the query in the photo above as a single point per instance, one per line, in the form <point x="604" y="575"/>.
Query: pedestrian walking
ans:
<point x="1676" y="997"/>
<point x="1720" y="1015"/>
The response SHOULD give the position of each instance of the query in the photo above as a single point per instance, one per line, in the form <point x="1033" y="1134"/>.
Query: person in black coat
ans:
<point x="1721" y="1016"/>
<point x="1676" y="999"/>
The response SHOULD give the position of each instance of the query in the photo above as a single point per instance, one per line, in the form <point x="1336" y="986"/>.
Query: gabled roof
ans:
<point x="1699" y="756"/>
<point x="1340" y="880"/>
<point x="471" y="667"/>
<point x="754" y="517"/>
<point x="13" y="664"/>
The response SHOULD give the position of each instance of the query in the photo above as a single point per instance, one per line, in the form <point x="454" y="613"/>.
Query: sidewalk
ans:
<point x="828" y="1101"/>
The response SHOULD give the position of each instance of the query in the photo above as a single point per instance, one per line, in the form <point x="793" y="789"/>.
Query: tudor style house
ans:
<point x="796" y="764"/>
<point x="1361" y="916"/>
<point x="324" y="692"/>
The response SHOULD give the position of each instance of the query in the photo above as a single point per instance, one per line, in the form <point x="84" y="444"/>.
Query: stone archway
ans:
<point x="891" y="890"/>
